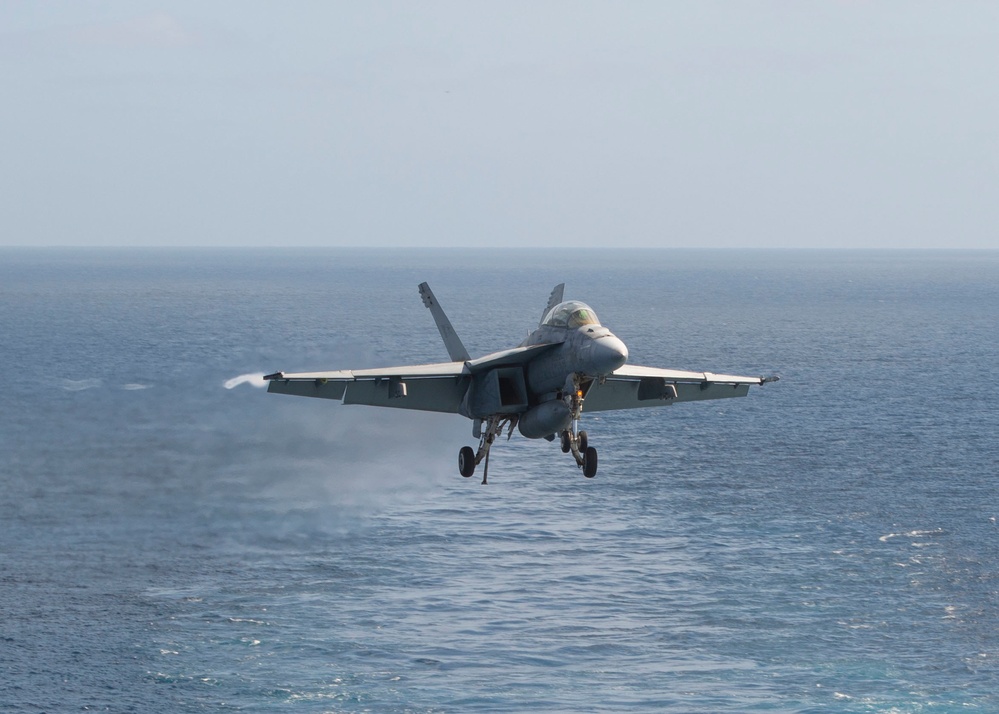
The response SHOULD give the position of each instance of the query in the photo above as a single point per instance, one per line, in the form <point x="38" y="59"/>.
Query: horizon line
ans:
<point x="625" y="248"/>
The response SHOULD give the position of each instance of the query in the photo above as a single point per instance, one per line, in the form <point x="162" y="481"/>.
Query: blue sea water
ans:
<point x="173" y="538"/>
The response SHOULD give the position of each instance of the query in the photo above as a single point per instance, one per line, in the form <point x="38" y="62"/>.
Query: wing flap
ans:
<point x="433" y="394"/>
<point x="677" y="375"/>
<point x="430" y="387"/>
<point x="633" y="386"/>
<point x="307" y="388"/>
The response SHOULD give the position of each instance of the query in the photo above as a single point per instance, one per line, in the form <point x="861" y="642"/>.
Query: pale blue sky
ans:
<point x="667" y="124"/>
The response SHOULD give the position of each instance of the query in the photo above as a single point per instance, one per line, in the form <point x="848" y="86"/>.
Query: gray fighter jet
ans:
<point x="539" y="387"/>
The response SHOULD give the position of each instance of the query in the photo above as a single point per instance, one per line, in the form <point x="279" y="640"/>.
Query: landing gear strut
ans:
<point x="493" y="427"/>
<point x="573" y="439"/>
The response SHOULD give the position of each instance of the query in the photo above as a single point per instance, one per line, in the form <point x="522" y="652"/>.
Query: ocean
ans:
<point x="173" y="538"/>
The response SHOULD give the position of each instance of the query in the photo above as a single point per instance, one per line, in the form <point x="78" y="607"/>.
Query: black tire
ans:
<point x="566" y="446"/>
<point x="466" y="461"/>
<point x="590" y="462"/>
<point x="583" y="442"/>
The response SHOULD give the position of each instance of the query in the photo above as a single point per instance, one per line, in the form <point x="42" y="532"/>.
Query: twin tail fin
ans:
<point x="455" y="349"/>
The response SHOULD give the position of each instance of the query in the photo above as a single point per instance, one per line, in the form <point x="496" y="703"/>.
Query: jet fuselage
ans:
<point x="590" y="350"/>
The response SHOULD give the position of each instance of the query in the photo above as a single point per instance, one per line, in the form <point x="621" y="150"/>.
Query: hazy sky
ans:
<point x="735" y="124"/>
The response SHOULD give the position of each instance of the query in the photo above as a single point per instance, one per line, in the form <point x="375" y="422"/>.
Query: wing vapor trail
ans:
<point x="254" y="379"/>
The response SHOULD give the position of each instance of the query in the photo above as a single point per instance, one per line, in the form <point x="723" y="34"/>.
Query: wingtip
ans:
<point x="270" y="377"/>
<point x="771" y="378"/>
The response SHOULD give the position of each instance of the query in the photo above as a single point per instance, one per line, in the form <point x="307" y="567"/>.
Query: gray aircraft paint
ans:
<point x="540" y="386"/>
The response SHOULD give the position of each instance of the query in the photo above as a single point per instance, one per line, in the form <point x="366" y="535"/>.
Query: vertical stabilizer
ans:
<point x="554" y="299"/>
<point x="455" y="349"/>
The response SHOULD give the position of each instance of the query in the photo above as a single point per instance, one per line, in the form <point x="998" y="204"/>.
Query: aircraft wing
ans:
<point x="632" y="386"/>
<point x="438" y="387"/>
<point x="426" y="387"/>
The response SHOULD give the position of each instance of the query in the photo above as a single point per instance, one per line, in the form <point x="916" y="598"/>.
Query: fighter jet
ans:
<point x="538" y="387"/>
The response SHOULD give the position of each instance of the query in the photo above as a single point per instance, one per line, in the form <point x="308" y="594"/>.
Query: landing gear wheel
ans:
<point x="589" y="461"/>
<point x="566" y="446"/>
<point x="466" y="461"/>
<point x="583" y="443"/>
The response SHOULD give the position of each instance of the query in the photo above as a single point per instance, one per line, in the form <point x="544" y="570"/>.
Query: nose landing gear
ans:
<point x="590" y="462"/>
<point x="575" y="440"/>
<point x="584" y="454"/>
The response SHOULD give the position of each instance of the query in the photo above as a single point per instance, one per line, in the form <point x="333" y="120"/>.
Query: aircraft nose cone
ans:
<point x="608" y="354"/>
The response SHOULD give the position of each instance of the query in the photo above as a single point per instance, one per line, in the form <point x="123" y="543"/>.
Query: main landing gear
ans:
<point x="572" y="440"/>
<point x="469" y="459"/>
<point x="584" y="454"/>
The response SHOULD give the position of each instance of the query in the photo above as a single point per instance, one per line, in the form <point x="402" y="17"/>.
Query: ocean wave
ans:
<point x="78" y="385"/>
<point x="911" y="534"/>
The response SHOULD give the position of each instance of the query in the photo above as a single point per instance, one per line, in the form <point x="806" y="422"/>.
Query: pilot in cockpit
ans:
<point x="582" y="316"/>
<point x="571" y="314"/>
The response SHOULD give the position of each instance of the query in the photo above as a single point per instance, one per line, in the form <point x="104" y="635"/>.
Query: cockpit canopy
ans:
<point x="571" y="314"/>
